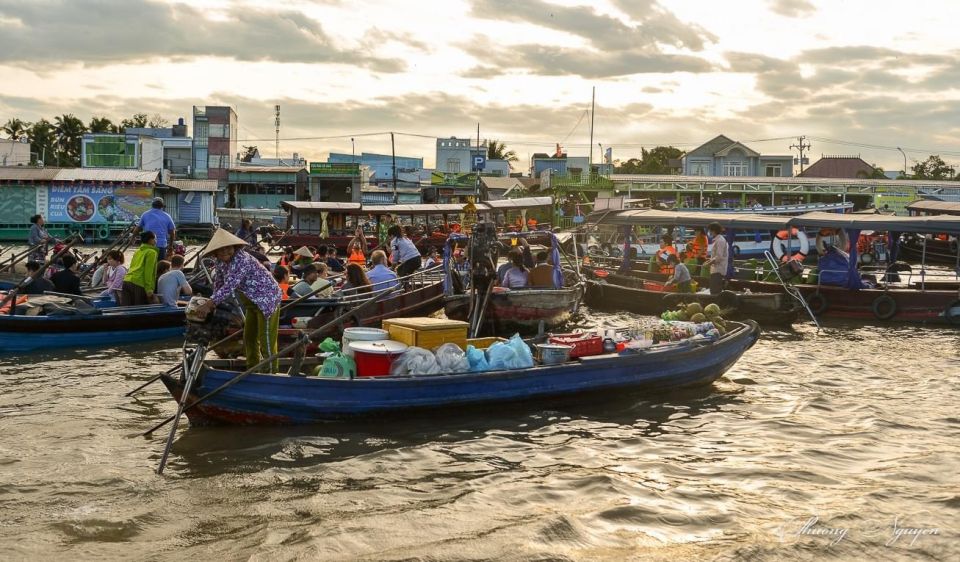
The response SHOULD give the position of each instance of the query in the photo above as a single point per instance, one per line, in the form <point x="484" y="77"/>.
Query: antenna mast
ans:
<point x="276" y="121"/>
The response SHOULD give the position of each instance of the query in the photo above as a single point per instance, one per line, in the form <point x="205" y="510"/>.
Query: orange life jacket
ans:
<point x="284" y="287"/>
<point x="357" y="257"/>
<point x="665" y="266"/>
<point x="698" y="247"/>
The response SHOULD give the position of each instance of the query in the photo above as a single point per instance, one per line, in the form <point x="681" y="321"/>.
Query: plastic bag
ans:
<point x="477" y="359"/>
<point x="337" y="366"/>
<point x="329" y="345"/>
<point x="514" y="354"/>
<point x="451" y="359"/>
<point x="415" y="361"/>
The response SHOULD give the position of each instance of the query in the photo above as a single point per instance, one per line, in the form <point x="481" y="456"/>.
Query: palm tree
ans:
<point x="69" y="130"/>
<point x="102" y="125"/>
<point x="497" y="150"/>
<point x="43" y="139"/>
<point x="16" y="129"/>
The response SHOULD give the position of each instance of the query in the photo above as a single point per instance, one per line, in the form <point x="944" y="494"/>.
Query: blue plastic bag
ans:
<point x="477" y="359"/>
<point x="514" y="354"/>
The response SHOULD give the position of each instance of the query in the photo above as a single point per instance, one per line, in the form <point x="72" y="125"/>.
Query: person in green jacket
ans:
<point x="140" y="282"/>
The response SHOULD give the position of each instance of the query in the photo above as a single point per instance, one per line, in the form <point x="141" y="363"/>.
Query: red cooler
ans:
<point x="374" y="358"/>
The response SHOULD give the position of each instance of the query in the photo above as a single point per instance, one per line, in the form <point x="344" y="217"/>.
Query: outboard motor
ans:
<point x="213" y="327"/>
<point x="484" y="249"/>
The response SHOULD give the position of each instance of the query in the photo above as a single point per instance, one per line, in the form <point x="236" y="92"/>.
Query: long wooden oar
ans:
<point x="12" y="293"/>
<point x="225" y="339"/>
<point x="15" y="258"/>
<point x="374" y="298"/>
<point x="153" y="380"/>
<point x="102" y="258"/>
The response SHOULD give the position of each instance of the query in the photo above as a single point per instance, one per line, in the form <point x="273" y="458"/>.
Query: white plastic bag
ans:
<point x="415" y="361"/>
<point x="451" y="359"/>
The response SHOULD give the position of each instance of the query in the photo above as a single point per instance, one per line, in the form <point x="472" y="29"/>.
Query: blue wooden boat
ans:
<point x="284" y="399"/>
<point x="101" y="327"/>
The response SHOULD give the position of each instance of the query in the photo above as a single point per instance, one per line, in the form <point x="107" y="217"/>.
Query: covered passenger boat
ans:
<point x="940" y="247"/>
<point x="838" y="287"/>
<point x="283" y="399"/>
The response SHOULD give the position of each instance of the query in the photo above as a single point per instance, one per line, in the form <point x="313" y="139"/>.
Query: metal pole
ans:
<point x="593" y="100"/>
<point x="904" y="161"/>
<point x="393" y="152"/>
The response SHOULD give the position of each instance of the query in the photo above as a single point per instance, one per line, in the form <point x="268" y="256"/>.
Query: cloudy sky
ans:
<point x="856" y="77"/>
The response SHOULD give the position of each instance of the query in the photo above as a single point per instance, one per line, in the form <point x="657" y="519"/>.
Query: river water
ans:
<point x="834" y="444"/>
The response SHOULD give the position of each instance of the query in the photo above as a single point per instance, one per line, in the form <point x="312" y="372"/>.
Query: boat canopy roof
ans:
<point x="936" y="207"/>
<point x="321" y="205"/>
<point x="816" y="219"/>
<point x="653" y="217"/>
<point x="519" y="203"/>
<point x="921" y="224"/>
<point x="417" y="209"/>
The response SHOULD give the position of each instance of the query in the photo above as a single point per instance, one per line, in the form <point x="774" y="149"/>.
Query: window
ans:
<point x="773" y="170"/>
<point x="219" y="131"/>
<point x="701" y="168"/>
<point x="201" y="160"/>
<point x="200" y="133"/>
<point x="734" y="168"/>
<point x="453" y="165"/>
<point x="216" y="161"/>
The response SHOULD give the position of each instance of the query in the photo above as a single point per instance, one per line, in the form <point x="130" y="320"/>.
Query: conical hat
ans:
<point x="222" y="239"/>
<point x="304" y="251"/>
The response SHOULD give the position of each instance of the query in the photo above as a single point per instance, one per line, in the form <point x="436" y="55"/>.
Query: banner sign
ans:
<point x="97" y="203"/>
<point x="453" y="179"/>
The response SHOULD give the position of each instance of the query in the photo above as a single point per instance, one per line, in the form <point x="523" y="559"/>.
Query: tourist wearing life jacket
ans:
<point x="666" y="250"/>
<point x="697" y="248"/>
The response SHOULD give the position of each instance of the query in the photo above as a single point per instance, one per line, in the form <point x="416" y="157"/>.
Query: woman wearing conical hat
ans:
<point x="238" y="273"/>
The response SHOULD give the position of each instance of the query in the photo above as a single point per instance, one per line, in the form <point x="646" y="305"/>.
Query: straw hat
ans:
<point x="222" y="239"/>
<point x="304" y="251"/>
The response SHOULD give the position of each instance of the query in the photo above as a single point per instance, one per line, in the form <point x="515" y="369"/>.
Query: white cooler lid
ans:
<point x="382" y="347"/>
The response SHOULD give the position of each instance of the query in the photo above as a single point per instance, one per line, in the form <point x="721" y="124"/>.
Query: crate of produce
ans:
<point x="584" y="345"/>
<point x="427" y="333"/>
<point x="484" y="343"/>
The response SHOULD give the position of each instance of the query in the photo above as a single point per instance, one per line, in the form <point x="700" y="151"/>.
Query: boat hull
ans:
<point x="615" y="296"/>
<point x="30" y="333"/>
<point x="520" y="310"/>
<point x="281" y="399"/>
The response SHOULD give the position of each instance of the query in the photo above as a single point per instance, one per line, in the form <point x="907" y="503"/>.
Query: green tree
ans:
<point x="657" y="160"/>
<point x="933" y="168"/>
<point x="69" y="130"/>
<point x="631" y="166"/>
<point x="497" y="150"/>
<point x="43" y="141"/>
<point x="138" y="120"/>
<point x="877" y="174"/>
<point x="16" y="129"/>
<point x="102" y="125"/>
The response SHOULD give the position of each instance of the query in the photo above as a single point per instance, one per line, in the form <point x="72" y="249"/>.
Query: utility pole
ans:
<point x="801" y="146"/>
<point x="276" y="122"/>
<point x="476" y="187"/>
<point x="593" y="99"/>
<point x="393" y="151"/>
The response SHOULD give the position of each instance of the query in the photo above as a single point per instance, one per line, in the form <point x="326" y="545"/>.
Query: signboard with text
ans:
<point x="97" y="203"/>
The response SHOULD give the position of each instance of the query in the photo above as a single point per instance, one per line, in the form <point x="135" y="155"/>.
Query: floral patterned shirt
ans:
<point x="243" y="273"/>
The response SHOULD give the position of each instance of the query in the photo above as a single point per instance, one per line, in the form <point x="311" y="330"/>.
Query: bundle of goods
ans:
<point x="697" y="314"/>
<point x="450" y="358"/>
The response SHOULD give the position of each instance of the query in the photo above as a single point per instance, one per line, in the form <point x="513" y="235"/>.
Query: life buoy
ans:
<point x="842" y="242"/>
<point x="103" y="232"/>
<point x="952" y="313"/>
<point x="780" y="241"/>
<point x="818" y="303"/>
<point x="884" y="307"/>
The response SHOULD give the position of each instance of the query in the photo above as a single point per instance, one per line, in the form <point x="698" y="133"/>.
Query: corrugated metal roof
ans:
<point x="494" y="182"/>
<point x="932" y="206"/>
<point x="425" y="209"/>
<point x="107" y="174"/>
<point x="24" y="173"/>
<point x="194" y="185"/>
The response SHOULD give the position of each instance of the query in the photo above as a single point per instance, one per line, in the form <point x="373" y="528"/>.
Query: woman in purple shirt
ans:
<point x="239" y="273"/>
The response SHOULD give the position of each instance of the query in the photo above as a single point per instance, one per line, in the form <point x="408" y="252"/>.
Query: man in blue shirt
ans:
<point x="157" y="221"/>
<point x="380" y="276"/>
